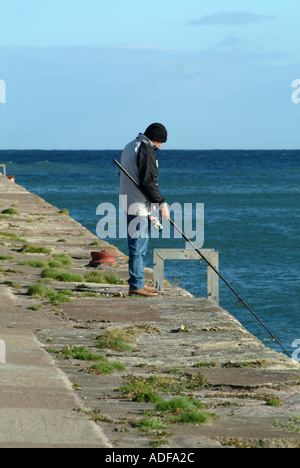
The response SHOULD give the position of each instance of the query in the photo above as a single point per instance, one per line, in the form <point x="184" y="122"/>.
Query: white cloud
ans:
<point x="230" y="41"/>
<point x="230" y="18"/>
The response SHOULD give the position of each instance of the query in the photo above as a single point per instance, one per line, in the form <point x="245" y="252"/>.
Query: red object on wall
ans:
<point x="103" y="258"/>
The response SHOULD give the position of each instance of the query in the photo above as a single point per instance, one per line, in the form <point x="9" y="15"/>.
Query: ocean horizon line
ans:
<point x="162" y="149"/>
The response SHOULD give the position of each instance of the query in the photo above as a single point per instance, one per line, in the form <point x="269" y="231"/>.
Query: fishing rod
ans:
<point x="205" y="259"/>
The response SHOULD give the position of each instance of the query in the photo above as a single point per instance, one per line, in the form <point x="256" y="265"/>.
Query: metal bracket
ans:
<point x="160" y="255"/>
<point x="4" y="169"/>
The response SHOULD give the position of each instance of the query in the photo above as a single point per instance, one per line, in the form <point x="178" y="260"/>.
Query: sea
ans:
<point x="251" y="205"/>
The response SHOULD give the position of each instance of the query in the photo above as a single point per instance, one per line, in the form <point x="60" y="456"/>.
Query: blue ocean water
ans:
<point x="251" y="207"/>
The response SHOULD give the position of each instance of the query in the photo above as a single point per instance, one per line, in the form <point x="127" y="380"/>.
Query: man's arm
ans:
<point x="148" y="174"/>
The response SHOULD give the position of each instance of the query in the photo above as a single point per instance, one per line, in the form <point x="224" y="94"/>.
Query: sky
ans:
<point x="92" y="74"/>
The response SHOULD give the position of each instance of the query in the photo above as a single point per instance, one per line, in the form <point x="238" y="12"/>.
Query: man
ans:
<point x="140" y="160"/>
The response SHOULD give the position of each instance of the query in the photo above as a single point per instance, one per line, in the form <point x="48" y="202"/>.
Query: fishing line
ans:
<point x="242" y="311"/>
<point x="207" y="261"/>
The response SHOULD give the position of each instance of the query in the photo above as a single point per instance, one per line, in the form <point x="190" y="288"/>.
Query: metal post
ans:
<point x="160" y="255"/>
<point x="158" y="271"/>
<point x="4" y="169"/>
<point x="213" y="279"/>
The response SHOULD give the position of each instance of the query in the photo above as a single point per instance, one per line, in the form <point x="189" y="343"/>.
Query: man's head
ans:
<point x="157" y="133"/>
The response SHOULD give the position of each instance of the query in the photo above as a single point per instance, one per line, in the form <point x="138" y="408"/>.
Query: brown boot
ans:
<point x="150" y="288"/>
<point x="142" y="292"/>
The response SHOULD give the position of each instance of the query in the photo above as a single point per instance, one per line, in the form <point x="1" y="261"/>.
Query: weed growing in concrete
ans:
<point x="11" y="211"/>
<point x="184" y="382"/>
<point x="105" y="368"/>
<point x="99" y="277"/>
<point x="113" y="279"/>
<point x="55" y="264"/>
<point x="94" y="277"/>
<point x="206" y="364"/>
<point x="65" y="212"/>
<point x="82" y="353"/>
<point x="77" y="386"/>
<point x="41" y="291"/>
<point x="273" y="401"/>
<point x="6" y="257"/>
<point x="32" y="248"/>
<point x="293" y="424"/>
<point x="34" y="263"/>
<point x="180" y="403"/>
<point x="115" y="339"/>
<point x="65" y="259"/>
<point x="159" y="441"/>
<point x="148" y="424"/>
<point x="36" y="307"/>
<point x="60" y="274"/>
<point x="13" y="270"/>
<point x="192" y="418"/>
<point x="252" y="364"/>
<point x="58" y="261"/>
<point x="9" y="235"/>
<point x="148" y="397"/>
<point x="96" y="416"/>
<point x="13" y="285"/>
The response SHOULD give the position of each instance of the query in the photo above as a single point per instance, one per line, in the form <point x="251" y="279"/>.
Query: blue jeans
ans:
<point x="138" y="237"/>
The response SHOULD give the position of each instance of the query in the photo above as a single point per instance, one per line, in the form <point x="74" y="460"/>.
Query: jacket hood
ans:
<point x="142" y="137"/>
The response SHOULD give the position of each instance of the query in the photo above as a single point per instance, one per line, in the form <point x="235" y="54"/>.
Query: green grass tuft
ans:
<point x="94" y="277"/>
<point x="34" y="263"/>
<point x="32" y="248"/>
<point x="148" y="424"/>
<point x="105" y="368"/>
<point x="175" y="404"/>
<point x="98" y="277"/>
<point x="64" y="211"/>
<point x="185" y="383"/>
<point x="60" y="274"/>
<point x="148" y="397"/>
<point x="81" y="353"/>
<point x="115" y="339"/>
<point x="41" y="291"/>
<point x="11" y="211"/>
<point x="65" y="259"/>
<point x="193" y="418"/>
<point x="55" y="264"/>
<point x="11" y="236"/>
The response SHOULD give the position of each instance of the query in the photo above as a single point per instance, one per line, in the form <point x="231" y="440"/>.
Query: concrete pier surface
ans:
<point x="136" y="350"/>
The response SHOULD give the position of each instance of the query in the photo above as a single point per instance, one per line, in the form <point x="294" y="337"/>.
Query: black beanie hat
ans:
<point x="156" y="132"/>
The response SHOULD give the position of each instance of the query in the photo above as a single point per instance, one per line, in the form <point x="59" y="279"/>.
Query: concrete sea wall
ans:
<point x="170" y="346"/>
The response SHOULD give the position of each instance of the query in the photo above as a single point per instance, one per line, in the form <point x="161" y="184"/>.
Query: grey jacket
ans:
<point x="140" y="160"/>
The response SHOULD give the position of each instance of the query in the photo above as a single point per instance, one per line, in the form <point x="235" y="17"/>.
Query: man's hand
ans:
<point x="164" y="212"/>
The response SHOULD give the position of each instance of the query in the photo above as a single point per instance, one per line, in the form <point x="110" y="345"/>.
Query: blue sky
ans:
<point x="91" y="74"/>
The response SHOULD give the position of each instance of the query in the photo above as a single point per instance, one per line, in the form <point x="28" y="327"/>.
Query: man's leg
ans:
<point x="138" y="239"/>
<point x="137" y="243"/>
